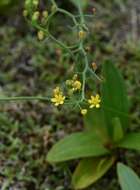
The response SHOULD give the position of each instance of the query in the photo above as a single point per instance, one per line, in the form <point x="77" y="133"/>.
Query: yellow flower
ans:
<point x="58" y="99"/>
<point x="83" y="111"/>
<point x="94" y="101"/>
<point x="76" y="85"/>
<point x="82" y="34"/>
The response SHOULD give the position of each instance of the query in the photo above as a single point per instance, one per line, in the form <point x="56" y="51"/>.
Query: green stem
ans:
<point x="68" y="14"/>
<point x="81" y="15"/>
<point x="24" y="98"/>
<point x="84" y="71"/>
<point x="86" y="68"/>
<point x="95" y="75"/>
<point x="53" y="2"/>
<point x="47" y="32"/>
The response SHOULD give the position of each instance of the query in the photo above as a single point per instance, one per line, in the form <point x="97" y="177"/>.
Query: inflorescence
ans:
<point x="74" y="85"/>
<point x="41" y="21"/>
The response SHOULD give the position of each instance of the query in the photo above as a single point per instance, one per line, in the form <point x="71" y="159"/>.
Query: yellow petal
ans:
<point x="91" y="106"/>
<point x="97" y="105"/>
<point x="53" y="99"/>
<point x="97" y="96"/>
<point x="89" y="101"/>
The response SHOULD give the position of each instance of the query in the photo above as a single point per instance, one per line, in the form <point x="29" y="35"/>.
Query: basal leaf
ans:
<point x="131" y="141"/>
<point x="117" y="129"/>
<point x="128" y="178"/>
<point x="114" y="97"/>
<point x="95" y="121"/>
<point x="78" y="145"/>
<point x="90" y="170"/>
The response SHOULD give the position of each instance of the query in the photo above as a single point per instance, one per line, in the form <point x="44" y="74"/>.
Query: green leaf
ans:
<point x="81" y="3"/>
<point x="131" y="141"/>
<point x="114" y="97"/>
<point x="118" y="131"/>
<point x="95" y="121"/>
<point x="78" y="145"/>
<point x="90" y="170"/>
<point x="128" y="178"/>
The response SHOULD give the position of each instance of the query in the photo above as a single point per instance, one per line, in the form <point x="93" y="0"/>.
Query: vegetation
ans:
<point x="69" y="72"/>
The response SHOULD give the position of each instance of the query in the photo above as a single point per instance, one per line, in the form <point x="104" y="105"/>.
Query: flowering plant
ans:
<point x="98" y="146"/>
<point x="106" y="116"/>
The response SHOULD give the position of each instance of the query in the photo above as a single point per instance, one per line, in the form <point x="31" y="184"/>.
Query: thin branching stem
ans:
<point x="24" y="98"/>
<point x="77" y="48"/>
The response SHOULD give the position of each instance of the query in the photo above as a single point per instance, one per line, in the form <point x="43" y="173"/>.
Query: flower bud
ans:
<point x="25" y="13"/>
<point x="94" y="66"/>
<point x="94" y="10"/>
<point x="82" y="34"/>
<point x="35" y="2"/>
<point x="40" y="35"/>
<point x="35" y="15"/>
<point x="83" y="111"/>
<point x="45" y="14"/>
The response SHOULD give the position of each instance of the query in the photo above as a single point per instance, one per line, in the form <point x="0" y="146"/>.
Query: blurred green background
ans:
<point x="31" y="67"/>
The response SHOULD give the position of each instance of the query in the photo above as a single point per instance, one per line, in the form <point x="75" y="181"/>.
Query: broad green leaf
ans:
<point x="95" y="121"/>
<point x="117" y="129"/>
<point x="90" y="170"/>
<point x="131" y="141"/>
<point x="78" y="145"/>
<point x="81" y="3"/>
<point x="114" y="97"/>
<point x="128" y="178"/>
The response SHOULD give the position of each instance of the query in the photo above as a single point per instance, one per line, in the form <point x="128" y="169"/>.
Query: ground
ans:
<point x="30" y="67"/>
